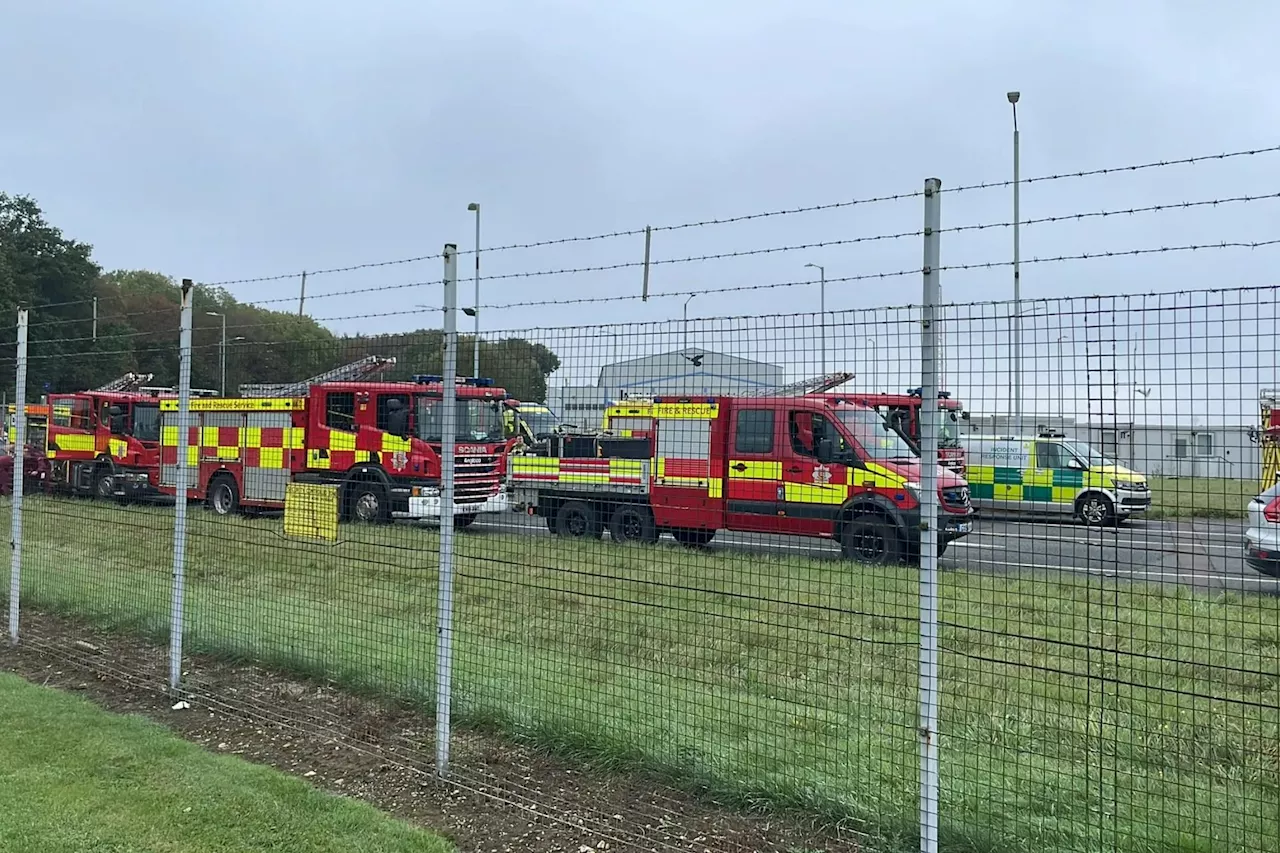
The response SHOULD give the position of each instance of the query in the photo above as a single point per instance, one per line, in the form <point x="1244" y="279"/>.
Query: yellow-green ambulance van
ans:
<point x="1052" y="474"/>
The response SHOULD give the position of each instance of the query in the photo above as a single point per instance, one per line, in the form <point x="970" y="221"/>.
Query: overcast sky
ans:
<point x="233" y="140"/>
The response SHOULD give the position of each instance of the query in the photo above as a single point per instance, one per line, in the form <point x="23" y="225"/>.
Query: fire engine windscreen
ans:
<point x="478" y="420"/>
<point x="146" y="422"/>
<point x="541" y="420"/>
<point x="873" y="433"/>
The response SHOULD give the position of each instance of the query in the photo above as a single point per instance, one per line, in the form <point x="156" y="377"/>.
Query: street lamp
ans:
<point x="1017" y="282"/>
<point x="870" y="346"/>
<point x="475" y="369"/>
<point x="222" y="351"/>
<point x="822" y="309"/>
<point x="686" y="321"/>
<point x="1062" y="390"/>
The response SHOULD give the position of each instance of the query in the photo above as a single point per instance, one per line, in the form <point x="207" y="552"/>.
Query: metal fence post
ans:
<point x="19" y="457"/>
<point x="176" y="621"/>
<point x="444" y="600"/>
<point x="929" y="510"/>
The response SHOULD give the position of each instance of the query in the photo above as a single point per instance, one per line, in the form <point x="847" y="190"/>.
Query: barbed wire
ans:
<point x="1119" y="253"/>
<point x="329" y="271"/>
<point x="631" y="297"/>
<point x="634" y="232"/>
<point x="658" y="327"/>
<point x="1154" y="208"/>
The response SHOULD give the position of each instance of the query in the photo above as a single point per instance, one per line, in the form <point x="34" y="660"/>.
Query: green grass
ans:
<point x="76" y="778"/>
<point x="1078" y="714"/>
<point x="1200" y="497"/>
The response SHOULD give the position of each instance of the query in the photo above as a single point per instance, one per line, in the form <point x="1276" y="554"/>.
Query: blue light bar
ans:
<point x="429" y="379"/>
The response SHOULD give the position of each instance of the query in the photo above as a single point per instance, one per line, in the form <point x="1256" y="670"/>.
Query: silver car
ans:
<point x="1262" y="539"/>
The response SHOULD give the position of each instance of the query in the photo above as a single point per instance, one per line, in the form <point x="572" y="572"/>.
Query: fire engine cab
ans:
<point x="805" y="465"/>
<point x="902" y="411"/>
<point x="379" y="442"/>
<point x="106" y="442"/>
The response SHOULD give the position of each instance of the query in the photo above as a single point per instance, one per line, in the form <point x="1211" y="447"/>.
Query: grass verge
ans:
<point x="1078" y="713"/>
<point x="76" y="778"/>
<point x="1200" y="497"/>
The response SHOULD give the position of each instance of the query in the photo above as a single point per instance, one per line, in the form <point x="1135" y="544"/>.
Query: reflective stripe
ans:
<point x="884" y="478"/>
<point x="80" y="443"/>
<point x="755" y="470"/>
<point x="247" y="404"/>
<point x="814" y="494"/>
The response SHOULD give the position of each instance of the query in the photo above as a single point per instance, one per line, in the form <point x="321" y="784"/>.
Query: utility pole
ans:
<point x="475" y="361"/>
<point x="302" y="293"/>
<point x="1017" y="277"/>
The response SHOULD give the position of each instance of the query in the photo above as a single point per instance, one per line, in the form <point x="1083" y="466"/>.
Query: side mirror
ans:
<point x="826" y="451"/>
<point x="1074" y="464"/>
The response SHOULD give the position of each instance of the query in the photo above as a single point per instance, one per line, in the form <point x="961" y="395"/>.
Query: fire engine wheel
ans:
<point x="222" y="496"/>
<point x="632" y="523"/>
<point x="366" y="503"/>
<point x="1095" y="510"/>
<point x="578" y="520"/>
<point x="869" y="539"/>
<point x="693" y="538"/>
<point x="104" y="485"/>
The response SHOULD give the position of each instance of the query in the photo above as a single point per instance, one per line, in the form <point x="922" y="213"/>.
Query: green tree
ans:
<point x="137" y="326"/>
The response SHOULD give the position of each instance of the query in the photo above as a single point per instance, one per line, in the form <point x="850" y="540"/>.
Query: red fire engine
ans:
<point x="378" y="441"/>
<point x="106" y="442"/>
<point x="808" y="465"/>
<point x="902" y="411"/>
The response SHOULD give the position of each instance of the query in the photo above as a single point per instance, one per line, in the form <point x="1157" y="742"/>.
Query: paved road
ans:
<point x="1207" y="554"/>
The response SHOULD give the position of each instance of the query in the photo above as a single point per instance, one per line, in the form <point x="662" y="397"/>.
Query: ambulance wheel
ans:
<point x="223" y="497"/>
<point x="870" y="539"/>
<point x="632" y="523"/>
<point x="693" y="538"/>
<point x="578" y="520"/>
<point x="1096" y="510"/>
<point x="366" y="503"/>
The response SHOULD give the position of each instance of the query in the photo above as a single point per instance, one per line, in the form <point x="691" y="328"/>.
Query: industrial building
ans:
<point x="1226" y="451"/>
<point x="685" y="371"/>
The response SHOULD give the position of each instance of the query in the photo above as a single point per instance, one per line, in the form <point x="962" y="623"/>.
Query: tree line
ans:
<point x="137" y="318"/>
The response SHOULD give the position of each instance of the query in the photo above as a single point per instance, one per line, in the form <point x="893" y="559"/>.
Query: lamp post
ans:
<point x="870" y="347"/>
<point x="222" y="351"/>
<point x="1062" y="390"/>
<point x="686" y="321"/>
<point x="1017" y="280"/>
<point x="822" y="309"/>
<point x="475" y="311"/>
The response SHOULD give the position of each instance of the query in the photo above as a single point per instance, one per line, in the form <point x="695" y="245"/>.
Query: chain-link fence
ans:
<point x="627" y="568"/>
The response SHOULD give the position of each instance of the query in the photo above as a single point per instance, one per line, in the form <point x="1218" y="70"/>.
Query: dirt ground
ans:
<point x="500" y="797"/>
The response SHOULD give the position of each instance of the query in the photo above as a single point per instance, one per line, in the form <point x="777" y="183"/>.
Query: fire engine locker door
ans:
<point x="754" y="477"/>
<point x="813" y="492"/>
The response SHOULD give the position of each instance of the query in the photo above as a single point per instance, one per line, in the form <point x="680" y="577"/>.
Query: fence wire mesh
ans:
<point x="686" y="581"/>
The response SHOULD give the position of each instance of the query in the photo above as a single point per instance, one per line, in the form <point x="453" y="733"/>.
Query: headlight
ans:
<point x="426" y="492"/>
<point x="914" y="488"/>
<point x="1122" y="485"/>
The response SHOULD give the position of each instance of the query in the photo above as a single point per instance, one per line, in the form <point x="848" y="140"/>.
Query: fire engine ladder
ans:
<point x="1269" y="436"/>
<point x="355" y="371"/>
<point x="812" y="385"/>
<point x="125" y="384"/>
